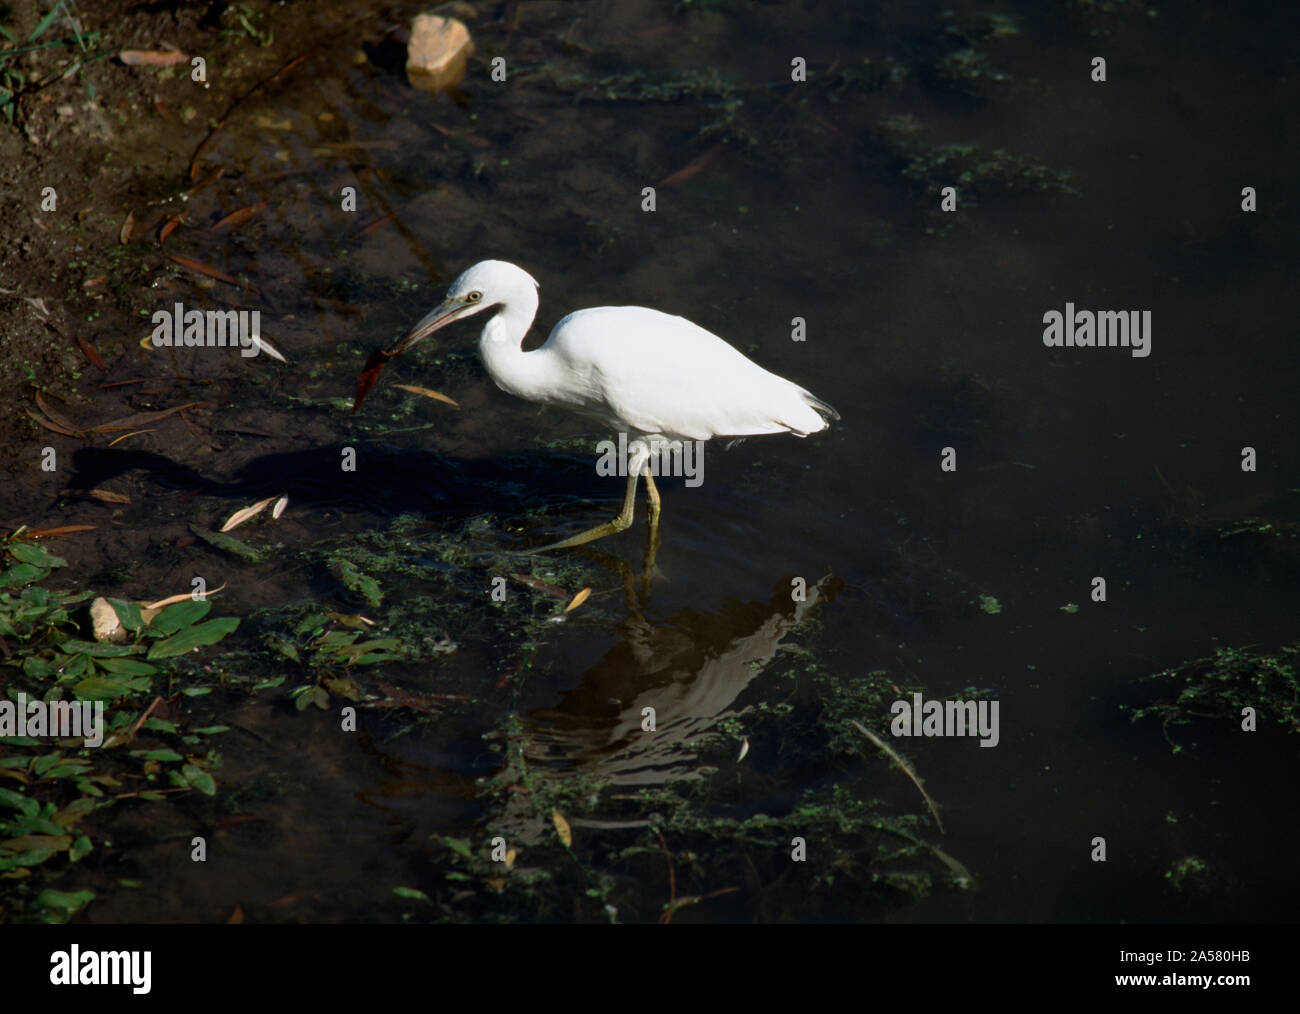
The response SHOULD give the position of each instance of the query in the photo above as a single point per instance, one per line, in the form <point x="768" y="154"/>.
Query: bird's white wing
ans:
<point x="648" y="371"/>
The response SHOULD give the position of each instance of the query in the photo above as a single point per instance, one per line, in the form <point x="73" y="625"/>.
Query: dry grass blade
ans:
<point x="578" y="600"/>
<point x="964" y="876"/>
<point x="246" y="514"/>
<point x="55" y="533"/>
<point x="143" y="418"/>
<point x="377" y="224"/>
<point x="133" y="433"/>
<point x="424" y="392"/>
<point x="171" y="600"/>
<point x="908" y="770"/>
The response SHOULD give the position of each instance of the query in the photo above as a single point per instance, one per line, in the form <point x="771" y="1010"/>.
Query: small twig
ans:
<point x="907" y="769"/>
<point x="194" y="162"/>
<point x="142" y="719"/>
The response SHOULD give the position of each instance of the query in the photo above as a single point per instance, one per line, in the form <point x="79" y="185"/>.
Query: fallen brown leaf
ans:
<point x="151" y="58"/>
<point x="54" y="415"/>
<point x="203" y="269"/>
<point x="96" y="360"/>
<point x="375" y="364"/>
<point x="168" y="228"/>
<point x="54" y="426"/>
<point x="124" y="235"/>
<point x="102" y="495"/>
<point x="542" y="586"/>
<point x="240" y="217"/>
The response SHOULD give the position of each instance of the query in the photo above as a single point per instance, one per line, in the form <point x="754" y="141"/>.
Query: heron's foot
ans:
<point x="619" y="524"/>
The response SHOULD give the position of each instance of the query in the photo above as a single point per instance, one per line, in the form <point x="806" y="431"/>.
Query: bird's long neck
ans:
<point x="524" y="374"/>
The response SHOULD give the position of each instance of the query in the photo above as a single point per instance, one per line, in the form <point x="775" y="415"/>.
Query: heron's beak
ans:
<point x="439" y="318"/>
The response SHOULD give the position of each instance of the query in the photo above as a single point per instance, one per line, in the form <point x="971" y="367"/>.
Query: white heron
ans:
<point x="656" y="377"/>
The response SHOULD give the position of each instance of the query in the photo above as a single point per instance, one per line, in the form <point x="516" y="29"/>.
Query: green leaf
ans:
<point x="63" y="905"/>
<point x="36" y="668"/>
<point x="128" y="614"/>
<point x="105" y="688"/>
<point x="157" y="755"/>
<point x="267" y="684"/>
<point x="458" y="845"/>
<point x="17" y="801"/>
<point x="199" y="779"/>
<point x="212" y="730"/>
<point x="36" y="555"/>
<point x="80" y="848"/>
<point x="96" y="650"/>
<point x="45" y="23"/>
<point x="362" y="584"/>
<point x="410" y="892"/>
<point x="192" y="637"/>
<point x="182" y="614"/>
<point x="312" y="622"/>
<point x="32" y="857"/>
<point x="195" y="691"/>
<point x="127" y="667"/>
<point x="21" y="574"/>
<point x="230" y="545"/>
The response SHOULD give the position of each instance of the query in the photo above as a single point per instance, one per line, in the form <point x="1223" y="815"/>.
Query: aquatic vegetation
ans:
<point x="1222" y="685"/>
<point x="50" y="788"/>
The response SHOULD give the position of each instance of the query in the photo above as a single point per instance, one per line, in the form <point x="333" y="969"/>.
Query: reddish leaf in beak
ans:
<point x="374" y="366"/>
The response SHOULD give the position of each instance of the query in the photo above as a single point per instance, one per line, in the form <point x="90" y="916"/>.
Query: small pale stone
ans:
<point x="104" y="620"/>
<point x="438" y="52"/>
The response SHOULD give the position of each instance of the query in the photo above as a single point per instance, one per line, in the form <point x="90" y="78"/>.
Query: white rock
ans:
<point x="438" y="52"/>
<point x="105" y="622"/>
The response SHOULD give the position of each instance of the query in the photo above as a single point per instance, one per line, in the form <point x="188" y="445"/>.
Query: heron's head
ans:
<point x="486" y="284"/>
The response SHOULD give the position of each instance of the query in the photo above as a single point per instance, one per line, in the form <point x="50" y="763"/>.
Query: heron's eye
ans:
<point x="473" y="297"/>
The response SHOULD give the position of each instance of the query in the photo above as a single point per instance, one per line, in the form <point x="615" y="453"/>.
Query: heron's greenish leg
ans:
<point x="652" y="537"/>
<point x="652" y="500"/>
<point x="620" y="524"/>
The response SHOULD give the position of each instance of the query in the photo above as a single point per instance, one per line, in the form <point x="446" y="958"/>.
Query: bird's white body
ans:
<point x="651" y="375"/>
<point x="633" y="368"/>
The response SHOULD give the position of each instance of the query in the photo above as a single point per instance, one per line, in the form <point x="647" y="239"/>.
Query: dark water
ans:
<point x="924" y="330"/>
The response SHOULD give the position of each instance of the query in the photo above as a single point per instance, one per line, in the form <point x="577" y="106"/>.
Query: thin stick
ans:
<point x="907" y="769"/>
